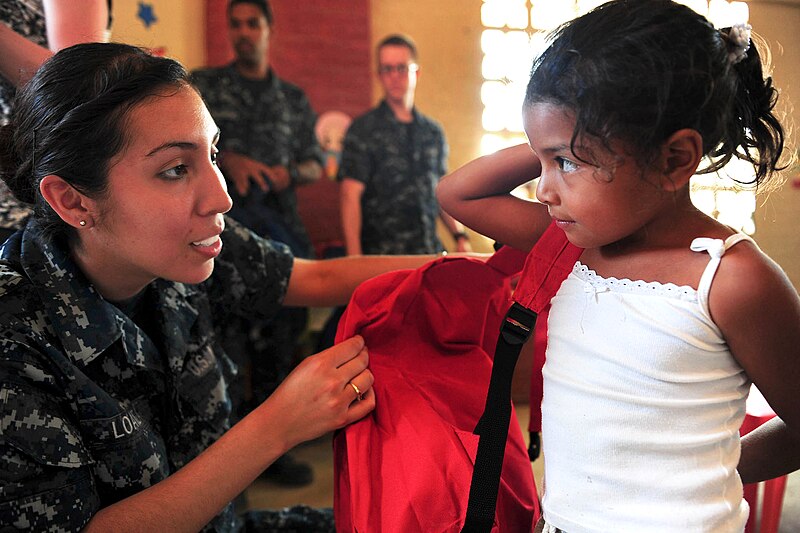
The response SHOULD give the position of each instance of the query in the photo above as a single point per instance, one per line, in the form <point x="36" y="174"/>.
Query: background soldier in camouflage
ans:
<point x="112" y="381"/>
<point x="268" y="148"/>
<point x="392" y="159"/>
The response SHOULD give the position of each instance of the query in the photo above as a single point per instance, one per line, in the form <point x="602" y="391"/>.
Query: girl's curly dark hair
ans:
<point x="639" y="70"/>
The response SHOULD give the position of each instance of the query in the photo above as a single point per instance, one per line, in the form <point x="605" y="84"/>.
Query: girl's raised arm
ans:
<point x="479" y="195"/>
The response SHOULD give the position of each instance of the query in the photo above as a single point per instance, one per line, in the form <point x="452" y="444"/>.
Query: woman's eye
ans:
<point x="214" y="156"/>
<point x="175" y="173"/>
<point x="566" y="165"/>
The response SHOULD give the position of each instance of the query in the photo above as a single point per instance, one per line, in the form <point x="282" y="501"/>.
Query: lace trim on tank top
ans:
<point x="595" y="283"/>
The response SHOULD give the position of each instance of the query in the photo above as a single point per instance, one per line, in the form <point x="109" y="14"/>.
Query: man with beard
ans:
<point x="267" y="148"/>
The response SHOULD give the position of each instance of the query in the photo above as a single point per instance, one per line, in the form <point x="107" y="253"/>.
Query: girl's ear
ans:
<point x="681" y="155"/>
<point x="73" y="207"/>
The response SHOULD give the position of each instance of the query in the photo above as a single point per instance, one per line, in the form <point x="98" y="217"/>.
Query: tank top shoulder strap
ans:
<point x="716" y="249"/>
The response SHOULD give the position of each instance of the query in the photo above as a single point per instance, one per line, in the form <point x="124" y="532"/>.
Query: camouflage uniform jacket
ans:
<point x="92" y="408"/>
<point x="399" y="165"/>
<point x="271" y="121"/>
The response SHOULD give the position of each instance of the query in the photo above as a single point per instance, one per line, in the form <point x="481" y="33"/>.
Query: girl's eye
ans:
<point x="175" y="173"/>
<point x="566" y="165"/>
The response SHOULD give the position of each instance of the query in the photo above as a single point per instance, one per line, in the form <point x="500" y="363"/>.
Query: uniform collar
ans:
<point x="177" y="315"/>
<point x="387" y="112"/>
<point x="84" y="322"/>
<point x="271" y="80"/>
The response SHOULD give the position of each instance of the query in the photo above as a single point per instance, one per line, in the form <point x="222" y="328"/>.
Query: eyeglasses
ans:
<point x="401" y="69"/>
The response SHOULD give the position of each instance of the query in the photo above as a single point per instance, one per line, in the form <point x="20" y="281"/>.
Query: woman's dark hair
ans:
<point x="639" y="70"/>
<point x="69" y="120"/>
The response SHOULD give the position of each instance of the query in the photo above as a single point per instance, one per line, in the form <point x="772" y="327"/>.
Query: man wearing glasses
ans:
<point x="392" y="159"/>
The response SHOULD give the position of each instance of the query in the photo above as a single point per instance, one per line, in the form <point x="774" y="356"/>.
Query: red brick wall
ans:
<point x="322" y="46"/>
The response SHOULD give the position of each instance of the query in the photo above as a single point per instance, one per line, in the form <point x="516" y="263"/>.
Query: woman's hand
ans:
<point x="317" y="397"/>
<point x="314" y="399"/>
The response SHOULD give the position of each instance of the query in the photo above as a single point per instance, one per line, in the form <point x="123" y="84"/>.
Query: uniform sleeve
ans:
<point x="355" y="156"/>
<point x="211" y="85"/>
<point x="201" y="80"/>
<point x="308" y="145"/>
<point x="250" y="276"/>
<point x="198" y="80"/>
<point x="45" y="478"/>
<point x="445" y="153"/>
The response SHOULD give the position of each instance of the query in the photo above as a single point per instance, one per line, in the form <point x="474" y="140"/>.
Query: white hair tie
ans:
<point x="738" y="42"/>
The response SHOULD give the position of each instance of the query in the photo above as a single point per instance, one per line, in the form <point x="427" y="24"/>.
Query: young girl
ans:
<point x="668" y="316"/>
<point x="113" y="386"/>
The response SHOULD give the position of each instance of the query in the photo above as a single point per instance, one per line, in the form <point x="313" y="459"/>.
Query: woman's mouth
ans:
<point x="207" y="242"/>
<point x="208" y="248"/>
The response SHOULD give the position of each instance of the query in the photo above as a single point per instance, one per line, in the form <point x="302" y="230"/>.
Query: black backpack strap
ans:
<point x="493" y="425"/>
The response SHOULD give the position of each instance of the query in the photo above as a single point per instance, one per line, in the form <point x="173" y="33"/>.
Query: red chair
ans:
<point x="758" y="412"/>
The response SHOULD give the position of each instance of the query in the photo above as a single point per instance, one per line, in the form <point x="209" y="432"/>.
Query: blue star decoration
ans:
<point x="146" y="14"/>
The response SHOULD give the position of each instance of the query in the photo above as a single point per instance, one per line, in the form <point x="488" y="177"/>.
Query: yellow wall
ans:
<point x="448" y="36"/>
<point x="447" y="33"/>
<point x="179" y="29"/>
<point x="777" y="231"/>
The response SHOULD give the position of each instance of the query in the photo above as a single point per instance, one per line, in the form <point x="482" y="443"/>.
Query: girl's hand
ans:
<point x="317" y="397"/>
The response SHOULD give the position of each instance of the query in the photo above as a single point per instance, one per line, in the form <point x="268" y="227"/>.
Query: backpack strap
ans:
<point x="547" y="265"/>
<point x="493" y="424"/>
<point x="536" y="392"/>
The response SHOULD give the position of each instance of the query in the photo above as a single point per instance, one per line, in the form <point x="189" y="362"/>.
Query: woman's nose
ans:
<point x="215" y="198"/>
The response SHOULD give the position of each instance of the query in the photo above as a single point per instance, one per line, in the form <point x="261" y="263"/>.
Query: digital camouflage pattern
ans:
<point x="270" y="121"/>
<point x="92" y="407"/>
<point x="400" y="166"/>
<point x="297" y="519"/>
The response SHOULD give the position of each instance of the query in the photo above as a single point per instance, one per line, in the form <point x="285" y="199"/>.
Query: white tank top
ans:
<point x="642" y="407"/>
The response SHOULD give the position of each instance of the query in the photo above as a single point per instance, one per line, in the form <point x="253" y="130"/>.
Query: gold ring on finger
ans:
<point x="359" y="394"/>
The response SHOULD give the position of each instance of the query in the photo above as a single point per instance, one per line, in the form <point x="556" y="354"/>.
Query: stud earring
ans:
<point x="82" y="222"/>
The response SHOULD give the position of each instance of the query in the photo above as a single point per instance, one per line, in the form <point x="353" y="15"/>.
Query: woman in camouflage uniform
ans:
<point x="113" y="399"/>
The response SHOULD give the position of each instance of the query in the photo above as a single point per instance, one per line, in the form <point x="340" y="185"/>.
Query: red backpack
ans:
<point x="432" y="334"/>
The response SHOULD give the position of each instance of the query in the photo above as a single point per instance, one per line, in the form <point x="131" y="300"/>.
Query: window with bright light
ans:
<point x="514" y="33"/>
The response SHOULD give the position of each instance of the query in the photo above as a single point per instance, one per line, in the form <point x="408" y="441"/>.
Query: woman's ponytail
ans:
<point x="11" y="171"/>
